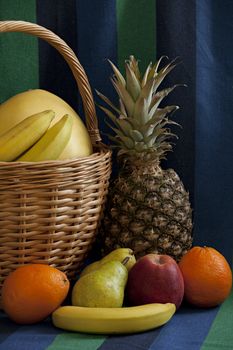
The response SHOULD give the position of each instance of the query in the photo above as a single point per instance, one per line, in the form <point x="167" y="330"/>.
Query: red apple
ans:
<point x="155" y="278"/>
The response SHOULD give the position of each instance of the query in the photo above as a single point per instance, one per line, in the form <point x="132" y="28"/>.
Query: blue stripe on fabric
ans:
<point x="6" y="327"/>
<point x="97" y="42"/>
<point x="176" y="37"/>
<point x="214" y="124"/>
<point x="139" y="341"/>
<point x="186" y="330"/>
<point x="33" y="337"/>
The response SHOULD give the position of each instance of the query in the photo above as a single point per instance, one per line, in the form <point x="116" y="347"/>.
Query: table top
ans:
<point x="190" y="328"/>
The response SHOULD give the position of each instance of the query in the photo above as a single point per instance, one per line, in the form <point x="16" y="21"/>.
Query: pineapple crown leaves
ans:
<point x="139" y="124"/>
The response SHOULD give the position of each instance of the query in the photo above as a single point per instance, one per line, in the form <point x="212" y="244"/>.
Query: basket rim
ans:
<point x="103" y="151"/>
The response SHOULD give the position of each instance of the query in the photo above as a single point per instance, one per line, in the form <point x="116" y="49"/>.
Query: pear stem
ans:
<point x="125" y="260"/>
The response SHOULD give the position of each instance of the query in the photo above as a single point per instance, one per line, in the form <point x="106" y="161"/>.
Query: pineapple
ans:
<point x="148" y="208"/>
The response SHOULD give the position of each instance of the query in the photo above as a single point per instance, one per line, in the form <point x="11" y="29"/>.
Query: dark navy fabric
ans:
<point x="214" y="125"/>
<point x="133" y="341"/>
<point x="54" y="74"/>
<point x="176" y="37"/>
<point x="96" y="43"/>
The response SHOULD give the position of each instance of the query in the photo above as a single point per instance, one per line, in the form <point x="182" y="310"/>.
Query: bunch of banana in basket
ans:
<point x="35" y="139"/>
<point x="32" y="139"/>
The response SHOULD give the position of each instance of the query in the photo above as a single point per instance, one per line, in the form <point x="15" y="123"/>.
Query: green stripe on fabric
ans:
<point x="219" y="336"/>
<point x="136" y="31"/>
<point x="75" y="341"/>
<point x="18" y="52"/>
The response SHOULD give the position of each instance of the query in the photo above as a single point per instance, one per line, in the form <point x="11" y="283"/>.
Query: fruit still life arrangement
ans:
<point x="118" y="293"/>
<point x="37" y="125"/>
<point x="148" y="266"/>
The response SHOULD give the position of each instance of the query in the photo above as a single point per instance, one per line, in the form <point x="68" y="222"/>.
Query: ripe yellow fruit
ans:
<point x="20" y="106"/>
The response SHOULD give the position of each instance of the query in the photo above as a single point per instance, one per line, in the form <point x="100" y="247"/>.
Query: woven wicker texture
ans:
<point x="50" y="211"/>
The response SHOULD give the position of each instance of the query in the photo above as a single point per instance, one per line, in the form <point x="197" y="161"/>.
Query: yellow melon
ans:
<point x="20" y="106"/>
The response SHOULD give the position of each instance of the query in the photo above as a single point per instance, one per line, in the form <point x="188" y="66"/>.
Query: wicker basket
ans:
<point x="50" y="211"/>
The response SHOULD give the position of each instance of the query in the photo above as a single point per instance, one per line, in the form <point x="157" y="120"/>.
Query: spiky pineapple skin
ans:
<point x="148" y="210"/>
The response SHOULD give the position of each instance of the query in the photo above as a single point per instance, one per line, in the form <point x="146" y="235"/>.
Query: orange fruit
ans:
<point x="32" y="292"/>
<point x="207" y="276"/>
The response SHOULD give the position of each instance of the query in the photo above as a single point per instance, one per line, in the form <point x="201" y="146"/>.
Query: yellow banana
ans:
<point x="23" y="135"/>
<point x="121" y="320"/>
<point x="52" y="143"/>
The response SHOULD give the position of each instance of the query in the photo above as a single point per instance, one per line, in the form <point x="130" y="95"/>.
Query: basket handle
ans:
<point x="73" y="62"/>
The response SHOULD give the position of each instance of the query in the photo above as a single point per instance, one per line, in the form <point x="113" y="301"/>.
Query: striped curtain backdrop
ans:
<point x="198" y="32"/>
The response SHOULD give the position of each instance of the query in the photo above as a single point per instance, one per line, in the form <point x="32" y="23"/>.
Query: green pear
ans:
<point x="103" y="287"/>
<point x="118" y="254"/>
